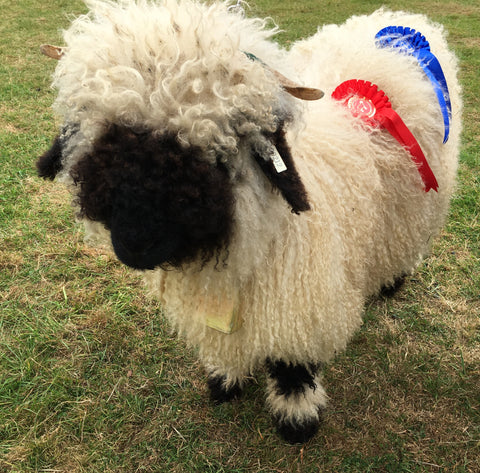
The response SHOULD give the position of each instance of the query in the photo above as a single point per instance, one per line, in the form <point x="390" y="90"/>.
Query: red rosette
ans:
<point x="366" y="101"/>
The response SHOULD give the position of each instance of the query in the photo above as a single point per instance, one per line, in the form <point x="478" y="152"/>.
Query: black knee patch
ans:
<point x="390" y="291"/>
<point x="219" y="393"/>
<point x="291" y="379"/>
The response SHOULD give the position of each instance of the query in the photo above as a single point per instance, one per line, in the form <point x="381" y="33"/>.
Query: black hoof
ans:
<point x="218" y="392"/>
<point x="297" y="433"/>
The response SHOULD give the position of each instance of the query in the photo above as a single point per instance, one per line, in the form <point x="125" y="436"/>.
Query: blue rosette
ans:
<point x="408" y="41"/>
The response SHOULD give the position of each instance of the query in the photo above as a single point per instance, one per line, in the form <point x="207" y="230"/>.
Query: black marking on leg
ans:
<point x="390" y="291"/>
<point x="295" y="433"/>
<point x="292" y="379"/>
<point x="219" y="393"/>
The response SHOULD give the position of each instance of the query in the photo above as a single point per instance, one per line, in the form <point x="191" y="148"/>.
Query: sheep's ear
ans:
<point x="277" y="164"/>
<point x="297" y="90"/>
<point x="54" y="52"/>
<point x="50" y="163"/>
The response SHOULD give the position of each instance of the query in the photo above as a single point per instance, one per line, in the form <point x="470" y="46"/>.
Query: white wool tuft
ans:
<point x="298" y="408"/>
<point x="176" y="66"/>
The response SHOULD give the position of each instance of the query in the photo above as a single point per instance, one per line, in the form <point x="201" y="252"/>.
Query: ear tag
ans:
<point x="277" y="160"/>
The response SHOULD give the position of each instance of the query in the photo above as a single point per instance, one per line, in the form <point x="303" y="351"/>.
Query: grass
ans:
<point x="91" y="378"/>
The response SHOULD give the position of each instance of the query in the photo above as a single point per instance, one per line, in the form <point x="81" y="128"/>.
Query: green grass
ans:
<point x="91" y="378"/>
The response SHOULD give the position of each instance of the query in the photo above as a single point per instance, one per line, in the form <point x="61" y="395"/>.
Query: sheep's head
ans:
<point x="163" y="204"/>
<point x="156" y="139"/>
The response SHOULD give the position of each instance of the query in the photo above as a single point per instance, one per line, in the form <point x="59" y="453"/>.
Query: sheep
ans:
<point x="261" y="221"/>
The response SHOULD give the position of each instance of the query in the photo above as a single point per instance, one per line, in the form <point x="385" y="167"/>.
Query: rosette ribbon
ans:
<point x="366" y="101"/>
<point x="408" y="41"/>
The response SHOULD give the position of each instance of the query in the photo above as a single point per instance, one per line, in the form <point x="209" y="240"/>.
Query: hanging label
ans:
<point x="277" y="160"/>
<point x="220" y="313"/>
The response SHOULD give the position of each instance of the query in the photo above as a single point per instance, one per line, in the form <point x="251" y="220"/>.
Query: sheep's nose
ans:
<point x="143" y="257"/>
<point x="140" y="242"/>
<point x="135" y="258"/>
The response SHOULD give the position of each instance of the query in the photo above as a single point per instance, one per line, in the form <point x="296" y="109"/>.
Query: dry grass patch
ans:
<point x="46" y="194"/>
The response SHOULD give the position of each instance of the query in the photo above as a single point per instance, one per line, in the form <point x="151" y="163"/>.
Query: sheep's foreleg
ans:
<point x="222" y="388"/>
<point x="295" y="397"/>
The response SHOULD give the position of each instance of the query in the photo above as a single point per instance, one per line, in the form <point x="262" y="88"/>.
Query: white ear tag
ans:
<point x="277" y="160"/>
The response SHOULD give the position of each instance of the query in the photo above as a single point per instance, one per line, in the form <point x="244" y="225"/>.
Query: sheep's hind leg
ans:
<point x="222" y="388"/>
<point x="295" y="397"/>
<point x="391" y="290"/>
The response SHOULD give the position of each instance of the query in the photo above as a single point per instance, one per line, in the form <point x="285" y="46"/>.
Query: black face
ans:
<point x="163" y="205"/>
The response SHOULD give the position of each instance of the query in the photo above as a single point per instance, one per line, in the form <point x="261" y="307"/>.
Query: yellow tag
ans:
<point x="221" y="314"/>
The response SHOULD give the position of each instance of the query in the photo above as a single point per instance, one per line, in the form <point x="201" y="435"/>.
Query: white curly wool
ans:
<point x="298" y="408"/>
<point x="299" y="282"/>
<point x="171" y="65"/>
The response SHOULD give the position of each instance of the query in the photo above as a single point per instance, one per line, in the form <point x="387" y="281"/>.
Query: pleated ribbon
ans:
<point x="366" y="101"/>
<point x="408" y="41"/>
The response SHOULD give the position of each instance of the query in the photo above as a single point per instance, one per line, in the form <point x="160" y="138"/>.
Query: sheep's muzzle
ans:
<point x="163" y="204"/>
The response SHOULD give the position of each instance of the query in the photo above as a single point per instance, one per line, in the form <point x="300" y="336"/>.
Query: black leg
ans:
<point x="390" y="291"/>
<point x="295" y="398"/>
<point x="222" y="391"/>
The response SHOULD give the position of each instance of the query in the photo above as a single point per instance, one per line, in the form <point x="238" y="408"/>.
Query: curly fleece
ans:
<point x="299" y="282"/>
